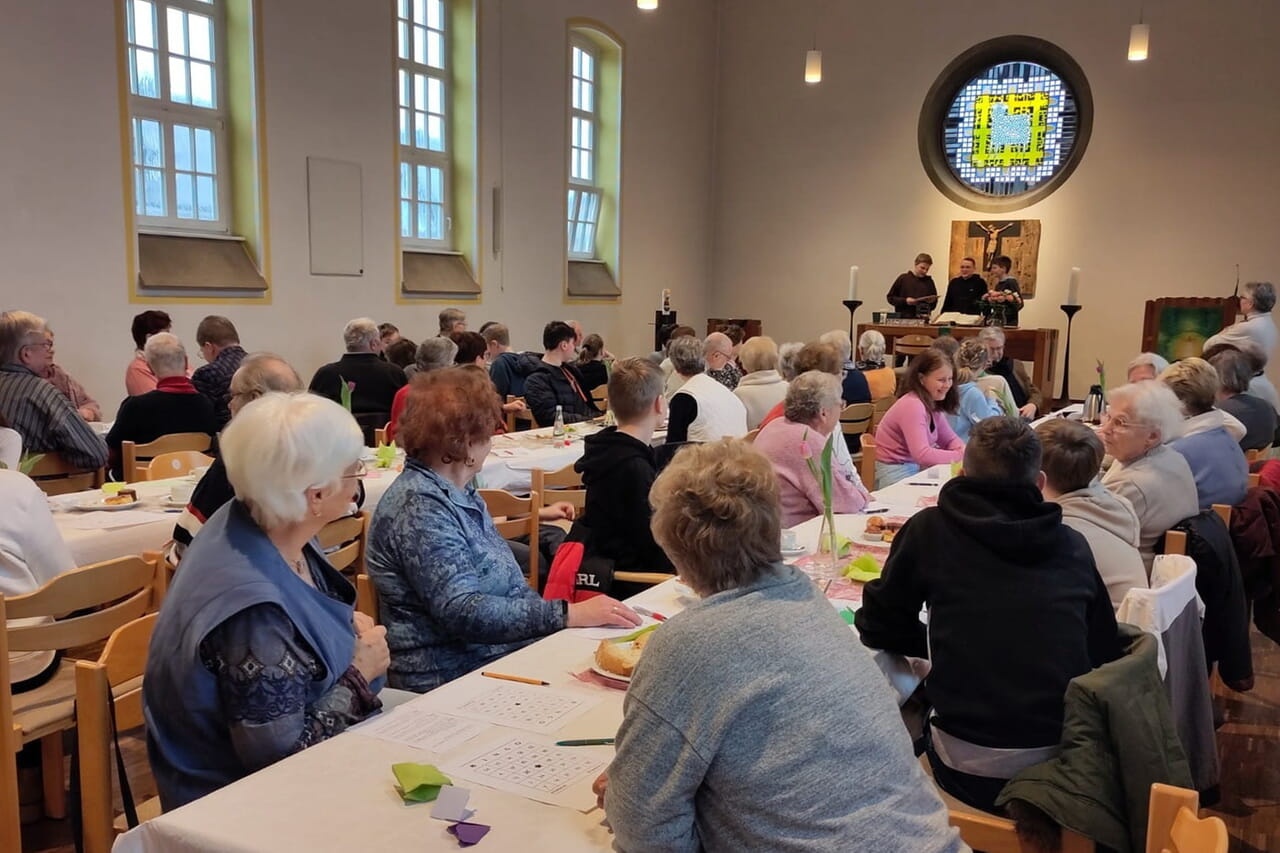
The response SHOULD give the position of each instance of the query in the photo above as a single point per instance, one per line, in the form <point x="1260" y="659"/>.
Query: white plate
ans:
<point x="97" y="505"/>
<point x="172" y="504"/>
<point x="612" y="676"/>
<point x="794" y="552"/>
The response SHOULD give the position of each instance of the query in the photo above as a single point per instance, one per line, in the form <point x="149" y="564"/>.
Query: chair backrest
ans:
<point x="114" y="592"/>
<point x="910" y="345"/>
<point x="1255" y="479"/>
<point x="366" y="597"/>
<point x="867" y="464"/>
<point x="750" y="437"/>
<point x="1172" y="825"/>
<point x="10" y="744"/>
<point x="123" y="659"/>
<point x="1257" y="454"/>
<point x="56" y="476"/>
<point x="132" y="453"/>
<point x="993" y="834"/>
<point x="516" y="516"/>
<point x="175" y="464"/>
<point x="343" y="542"/>
<point x="878" y="410"/>
<point x="1224" y="512"/>
<point x="380" y="435"/>
<point x="511" y="416"/>
<point x="1175" y="542"/>
<point x="600" y="396"/>
<point x="564" y="484"/>
<point x="856" y="418"/>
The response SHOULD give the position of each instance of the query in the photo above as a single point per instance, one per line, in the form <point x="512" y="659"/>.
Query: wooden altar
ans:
<point x="1038" y="347"/>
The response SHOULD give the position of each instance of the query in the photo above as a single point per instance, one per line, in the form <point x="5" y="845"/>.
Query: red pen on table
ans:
<point x="644" y="611"/>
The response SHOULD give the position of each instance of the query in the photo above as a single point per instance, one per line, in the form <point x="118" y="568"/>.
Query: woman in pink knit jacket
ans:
<point x="915" y="433"/>
<point x="810" y="412"/>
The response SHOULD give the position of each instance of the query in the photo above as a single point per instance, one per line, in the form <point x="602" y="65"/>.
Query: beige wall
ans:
<point x="328" y="89"/>
<point x="1179" y="182"/>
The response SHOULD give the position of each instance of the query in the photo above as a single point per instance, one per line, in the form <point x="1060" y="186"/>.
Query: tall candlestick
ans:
<point x="1073" y="287"/>
<point x="853" y="283"/>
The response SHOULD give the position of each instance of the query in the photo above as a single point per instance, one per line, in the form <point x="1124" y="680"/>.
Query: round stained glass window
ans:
<point x="1005" y="124"/>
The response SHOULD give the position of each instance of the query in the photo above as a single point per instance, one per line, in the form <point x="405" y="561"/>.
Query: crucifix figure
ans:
<point x="991" y="244"/>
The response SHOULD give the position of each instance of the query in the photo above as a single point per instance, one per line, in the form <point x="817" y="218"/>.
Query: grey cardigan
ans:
<point x="757" y="721"/>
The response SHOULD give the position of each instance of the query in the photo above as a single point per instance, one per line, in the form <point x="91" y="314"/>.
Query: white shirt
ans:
<point x="720" y="413"/>
<point x="10" y="448"/>
<point x="31" y="554"/>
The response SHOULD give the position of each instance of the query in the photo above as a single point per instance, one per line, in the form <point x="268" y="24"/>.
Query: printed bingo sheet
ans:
<point x="536" y="769"/>
<point x="535" y="709"/>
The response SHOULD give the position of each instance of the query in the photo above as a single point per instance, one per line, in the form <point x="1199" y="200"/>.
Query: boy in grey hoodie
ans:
<point x="1072" y="459"/>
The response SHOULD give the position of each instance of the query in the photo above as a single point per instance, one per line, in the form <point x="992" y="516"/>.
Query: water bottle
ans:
<point x="557" y="428"/>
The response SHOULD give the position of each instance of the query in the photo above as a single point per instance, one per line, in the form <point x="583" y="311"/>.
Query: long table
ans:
<point x="509" y="466"/>
<point x="340" y="793"/>
<point x="1037" y="346"/>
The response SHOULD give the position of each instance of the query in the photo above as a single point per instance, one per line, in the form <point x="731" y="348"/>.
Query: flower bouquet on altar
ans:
<point x="995" y="305"/>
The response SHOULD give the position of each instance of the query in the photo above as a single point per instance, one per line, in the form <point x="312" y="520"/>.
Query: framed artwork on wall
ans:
<point x="1177" y="327"/>
<point x="984" y="239"/>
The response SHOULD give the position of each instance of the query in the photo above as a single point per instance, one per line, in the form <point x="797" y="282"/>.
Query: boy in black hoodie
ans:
<point x="618" y="466"/>
<point x="1016" y="610"/>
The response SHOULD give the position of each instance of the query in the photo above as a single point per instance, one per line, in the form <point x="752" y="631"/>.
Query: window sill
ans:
<point x="188" y="265"/>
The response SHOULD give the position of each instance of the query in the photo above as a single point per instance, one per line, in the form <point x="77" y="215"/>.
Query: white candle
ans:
<point x="853" y="283"/>
<point x="1073" y="287"/>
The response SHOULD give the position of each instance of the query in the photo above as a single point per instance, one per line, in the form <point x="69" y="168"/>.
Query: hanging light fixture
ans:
<point x="813" y="66"/>
<point x="647" y="5"/>
<point x="1139" y="39"/>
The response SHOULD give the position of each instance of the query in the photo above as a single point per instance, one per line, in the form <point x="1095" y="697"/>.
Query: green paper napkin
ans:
<point x="634" y="634"/>
<point x="863" y="569"/>
<point x="419" y="783"/>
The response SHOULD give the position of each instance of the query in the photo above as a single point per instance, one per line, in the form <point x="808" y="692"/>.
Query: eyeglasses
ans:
<point x="361" y="470"/>
<point x="46" y="345"/>
<point x="1120" y="422"/>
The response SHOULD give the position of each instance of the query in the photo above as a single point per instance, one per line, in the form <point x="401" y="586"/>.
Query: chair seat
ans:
<point x="51" y="706"/>
<point x="949" y="801"/>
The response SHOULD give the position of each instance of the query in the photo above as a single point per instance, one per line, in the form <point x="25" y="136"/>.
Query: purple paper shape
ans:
<point x="469" y="833"/>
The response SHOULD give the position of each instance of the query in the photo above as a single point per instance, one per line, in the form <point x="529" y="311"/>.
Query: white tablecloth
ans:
<point x="340" y="795"/>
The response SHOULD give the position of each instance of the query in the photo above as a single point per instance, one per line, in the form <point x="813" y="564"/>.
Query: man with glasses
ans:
<point x="39" y="412"/>
<point x="718" y="354"/>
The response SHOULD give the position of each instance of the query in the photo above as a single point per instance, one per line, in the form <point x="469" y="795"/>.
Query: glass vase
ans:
<point x="995" y="315"/>
<point x="828" y="553"/>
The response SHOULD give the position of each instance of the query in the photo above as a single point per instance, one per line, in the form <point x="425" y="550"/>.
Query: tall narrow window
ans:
<point x="178" y="114"/>
<point x="584" y="194"/>
<point x="423" y="94"/>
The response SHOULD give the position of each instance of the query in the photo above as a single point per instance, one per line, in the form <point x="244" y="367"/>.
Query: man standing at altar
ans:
<point x="964" y="290"/>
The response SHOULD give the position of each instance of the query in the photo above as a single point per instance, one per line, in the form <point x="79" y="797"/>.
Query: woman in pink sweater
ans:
<point x="811" y="411"/>
<point x="915" y="433"/>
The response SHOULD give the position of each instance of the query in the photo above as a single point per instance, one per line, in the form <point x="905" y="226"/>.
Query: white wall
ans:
<point x="1179" y="182"/>
<point x="328" y="90"/>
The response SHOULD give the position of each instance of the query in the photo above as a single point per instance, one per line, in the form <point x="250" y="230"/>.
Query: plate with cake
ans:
<point x="617" y="659"/>
<point x="123" y="499"/>
<point x="882" y="529"/>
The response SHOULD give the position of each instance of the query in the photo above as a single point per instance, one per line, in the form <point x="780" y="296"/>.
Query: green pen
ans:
<point x="595" y="741"/>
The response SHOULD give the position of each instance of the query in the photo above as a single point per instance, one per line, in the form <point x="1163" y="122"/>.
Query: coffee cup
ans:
<point x="789" y="541"/>
<point x="180" y="493"/>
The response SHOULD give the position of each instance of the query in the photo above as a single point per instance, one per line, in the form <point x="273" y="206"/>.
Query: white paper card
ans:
<point x="413" y="726"/>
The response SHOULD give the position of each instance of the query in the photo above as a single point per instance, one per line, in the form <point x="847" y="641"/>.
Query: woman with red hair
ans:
<point x="450" y="592"/>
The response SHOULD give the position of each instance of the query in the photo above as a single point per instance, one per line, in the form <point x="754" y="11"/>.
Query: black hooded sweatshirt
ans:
<point x="1016" y="610"/>
<point x="617" y="471"/>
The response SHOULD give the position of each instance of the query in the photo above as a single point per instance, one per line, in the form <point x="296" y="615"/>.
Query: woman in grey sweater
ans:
<point x="756" y="720"/>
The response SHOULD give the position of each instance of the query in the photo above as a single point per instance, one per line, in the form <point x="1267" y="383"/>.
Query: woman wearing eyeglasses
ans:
<point x="257" y="651"/>
<point x="1152" y="476"/>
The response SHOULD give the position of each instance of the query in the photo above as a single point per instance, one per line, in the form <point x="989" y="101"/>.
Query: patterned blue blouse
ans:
<point x="449" y="591"/>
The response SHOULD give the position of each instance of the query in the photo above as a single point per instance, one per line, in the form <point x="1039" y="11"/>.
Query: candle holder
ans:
<point x="852" y="305"/>
<point x="1064" y="397"/>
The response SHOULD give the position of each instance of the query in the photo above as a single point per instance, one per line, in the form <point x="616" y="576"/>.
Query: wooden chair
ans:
<point x="56" y="476"/>
<point x="174" y="464"/>
<point x="380" y="435"/>
<point x="366" y="597"/>
<point x="1172" y="825"/>
<point x="515" y="516"/>
<point x="114" y="593"/>
<point x="117" y="670"/>
<point x="1255" y="480"/>
<point x="600" y="396"/>
<point x="867" y="464"/>
<point x="648" y="578"/>
<point x="856" y="418"/>
<point x="132" y="453"/>
<point x="564" y="484"/>
<point x="1175" y="542"/>
<point x="911" y="345"/>
<point x="343" y="542"/>
<point x="878" y="410"/>
<point x="1224" y="512"/>
<point x="511" y="416"/>
<point x="991" y="834"/>
<point x="750" y="437"/>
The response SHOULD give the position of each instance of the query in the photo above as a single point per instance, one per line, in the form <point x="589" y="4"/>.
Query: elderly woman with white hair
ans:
<point x="701" y="408"/>
<point x="785" y="739"/>
<point x="855" y="388"/>
<point x="1209" y="437"/>
<point x="1151" y="475"/>
<point x="762" y="387"/>
<point x="258" y="652"/>
<point x="1145" y="366"/>
<point x="881" y="379"/>
<point x="811" y="412"/>
<point x="1257" y="299"/>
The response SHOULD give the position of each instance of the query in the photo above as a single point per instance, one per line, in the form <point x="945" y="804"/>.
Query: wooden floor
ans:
<point x="1249" y="745"/>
